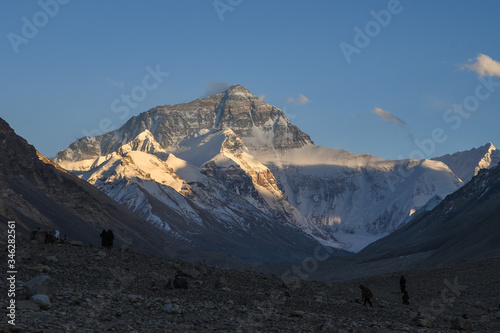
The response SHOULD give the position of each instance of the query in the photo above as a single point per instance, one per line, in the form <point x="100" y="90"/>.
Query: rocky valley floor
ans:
<point x="96" y="290"/>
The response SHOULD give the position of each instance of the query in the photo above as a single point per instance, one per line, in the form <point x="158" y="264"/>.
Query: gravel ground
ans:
<point x="99" y="290"/>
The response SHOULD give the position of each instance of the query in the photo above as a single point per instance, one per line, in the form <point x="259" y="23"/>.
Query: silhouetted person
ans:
<point x="111" y="238"/>
<point x="366" y="295"/>
<point x="402" y="284"/>
<point x="104" y="238"/>
<point x="406" y="298"/>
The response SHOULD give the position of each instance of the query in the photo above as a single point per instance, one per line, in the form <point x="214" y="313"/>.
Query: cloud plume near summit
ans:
<point x="484" y="66"/>
<point x="215" y="87"/>
<point x="389" y="117"/>
<point x="300" y="100"/>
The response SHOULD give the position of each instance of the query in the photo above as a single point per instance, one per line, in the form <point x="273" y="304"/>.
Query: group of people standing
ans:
<point x="366" y="294"/>
<point x="107" y="238"/>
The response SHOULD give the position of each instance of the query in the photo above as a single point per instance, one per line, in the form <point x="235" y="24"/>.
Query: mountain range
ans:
<point x="36" y="192"/>
<point x="231" y="165"/>
<point x="464" y="226"/>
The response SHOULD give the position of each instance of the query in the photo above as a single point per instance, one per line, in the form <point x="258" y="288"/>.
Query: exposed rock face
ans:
<point x="237" y="109"/>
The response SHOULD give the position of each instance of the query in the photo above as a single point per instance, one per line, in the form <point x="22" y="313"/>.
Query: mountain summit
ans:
<point x="259" y="124"/>
<point x="237" y="160"/>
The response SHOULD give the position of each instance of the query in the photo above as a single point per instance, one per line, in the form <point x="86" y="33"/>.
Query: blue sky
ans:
<point x="395" y="79"/>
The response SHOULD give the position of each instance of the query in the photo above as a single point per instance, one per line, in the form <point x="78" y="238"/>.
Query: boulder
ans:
<point x="40" y="284"/>
<point x="42" y="300"/>
<point x="172" y="308"/>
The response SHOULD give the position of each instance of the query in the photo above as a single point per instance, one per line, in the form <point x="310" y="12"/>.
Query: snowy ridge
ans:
<point x="352" y="195"/>
<point x="142" y="170"/>
<point x="467" y="164"/>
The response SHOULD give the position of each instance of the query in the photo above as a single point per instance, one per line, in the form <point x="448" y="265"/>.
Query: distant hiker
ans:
<point x="402" y="284"/>
<point x="406" y="298"/>
<point x="111" y="238"/>
<point x="366" y="295"/>
<point x="37" y="235"/>
<point x="104" y="238"/>
<point x="49" y="236"/>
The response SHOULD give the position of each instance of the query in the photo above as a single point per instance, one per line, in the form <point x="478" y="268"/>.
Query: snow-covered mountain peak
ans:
<point x="467" y="164"/>
<point x="145" y="142"/>
<point x="240" y="91"/>
<point x="235" y="151"/>
<point x="490" y="146"/>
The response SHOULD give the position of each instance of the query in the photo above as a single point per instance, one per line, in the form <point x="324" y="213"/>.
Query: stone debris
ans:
<point x="129" y="292"/>
<point x="41" y="284"/>
<point x="42" y="300"/>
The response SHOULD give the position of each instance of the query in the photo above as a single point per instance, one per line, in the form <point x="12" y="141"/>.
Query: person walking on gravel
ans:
<point x="402" y="284"/>
<point x="366" y="295"/>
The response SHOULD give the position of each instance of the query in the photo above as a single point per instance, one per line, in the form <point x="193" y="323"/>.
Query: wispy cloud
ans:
<point x="303" y="99"/>
<point x="262" y="96"/>
<point x="389" y="117"/>
<point x="118" y="84"/>
<point x="483" y="65"/>
<point x="300" y="100"/>
<point x="215" y="87"/>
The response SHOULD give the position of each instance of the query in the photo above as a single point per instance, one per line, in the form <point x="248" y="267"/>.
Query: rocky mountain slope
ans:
<point x="92" y="290"/>
<point x="37" y="193"/>
<point x="467" y="164"/>
<point x="235" y="149"/>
